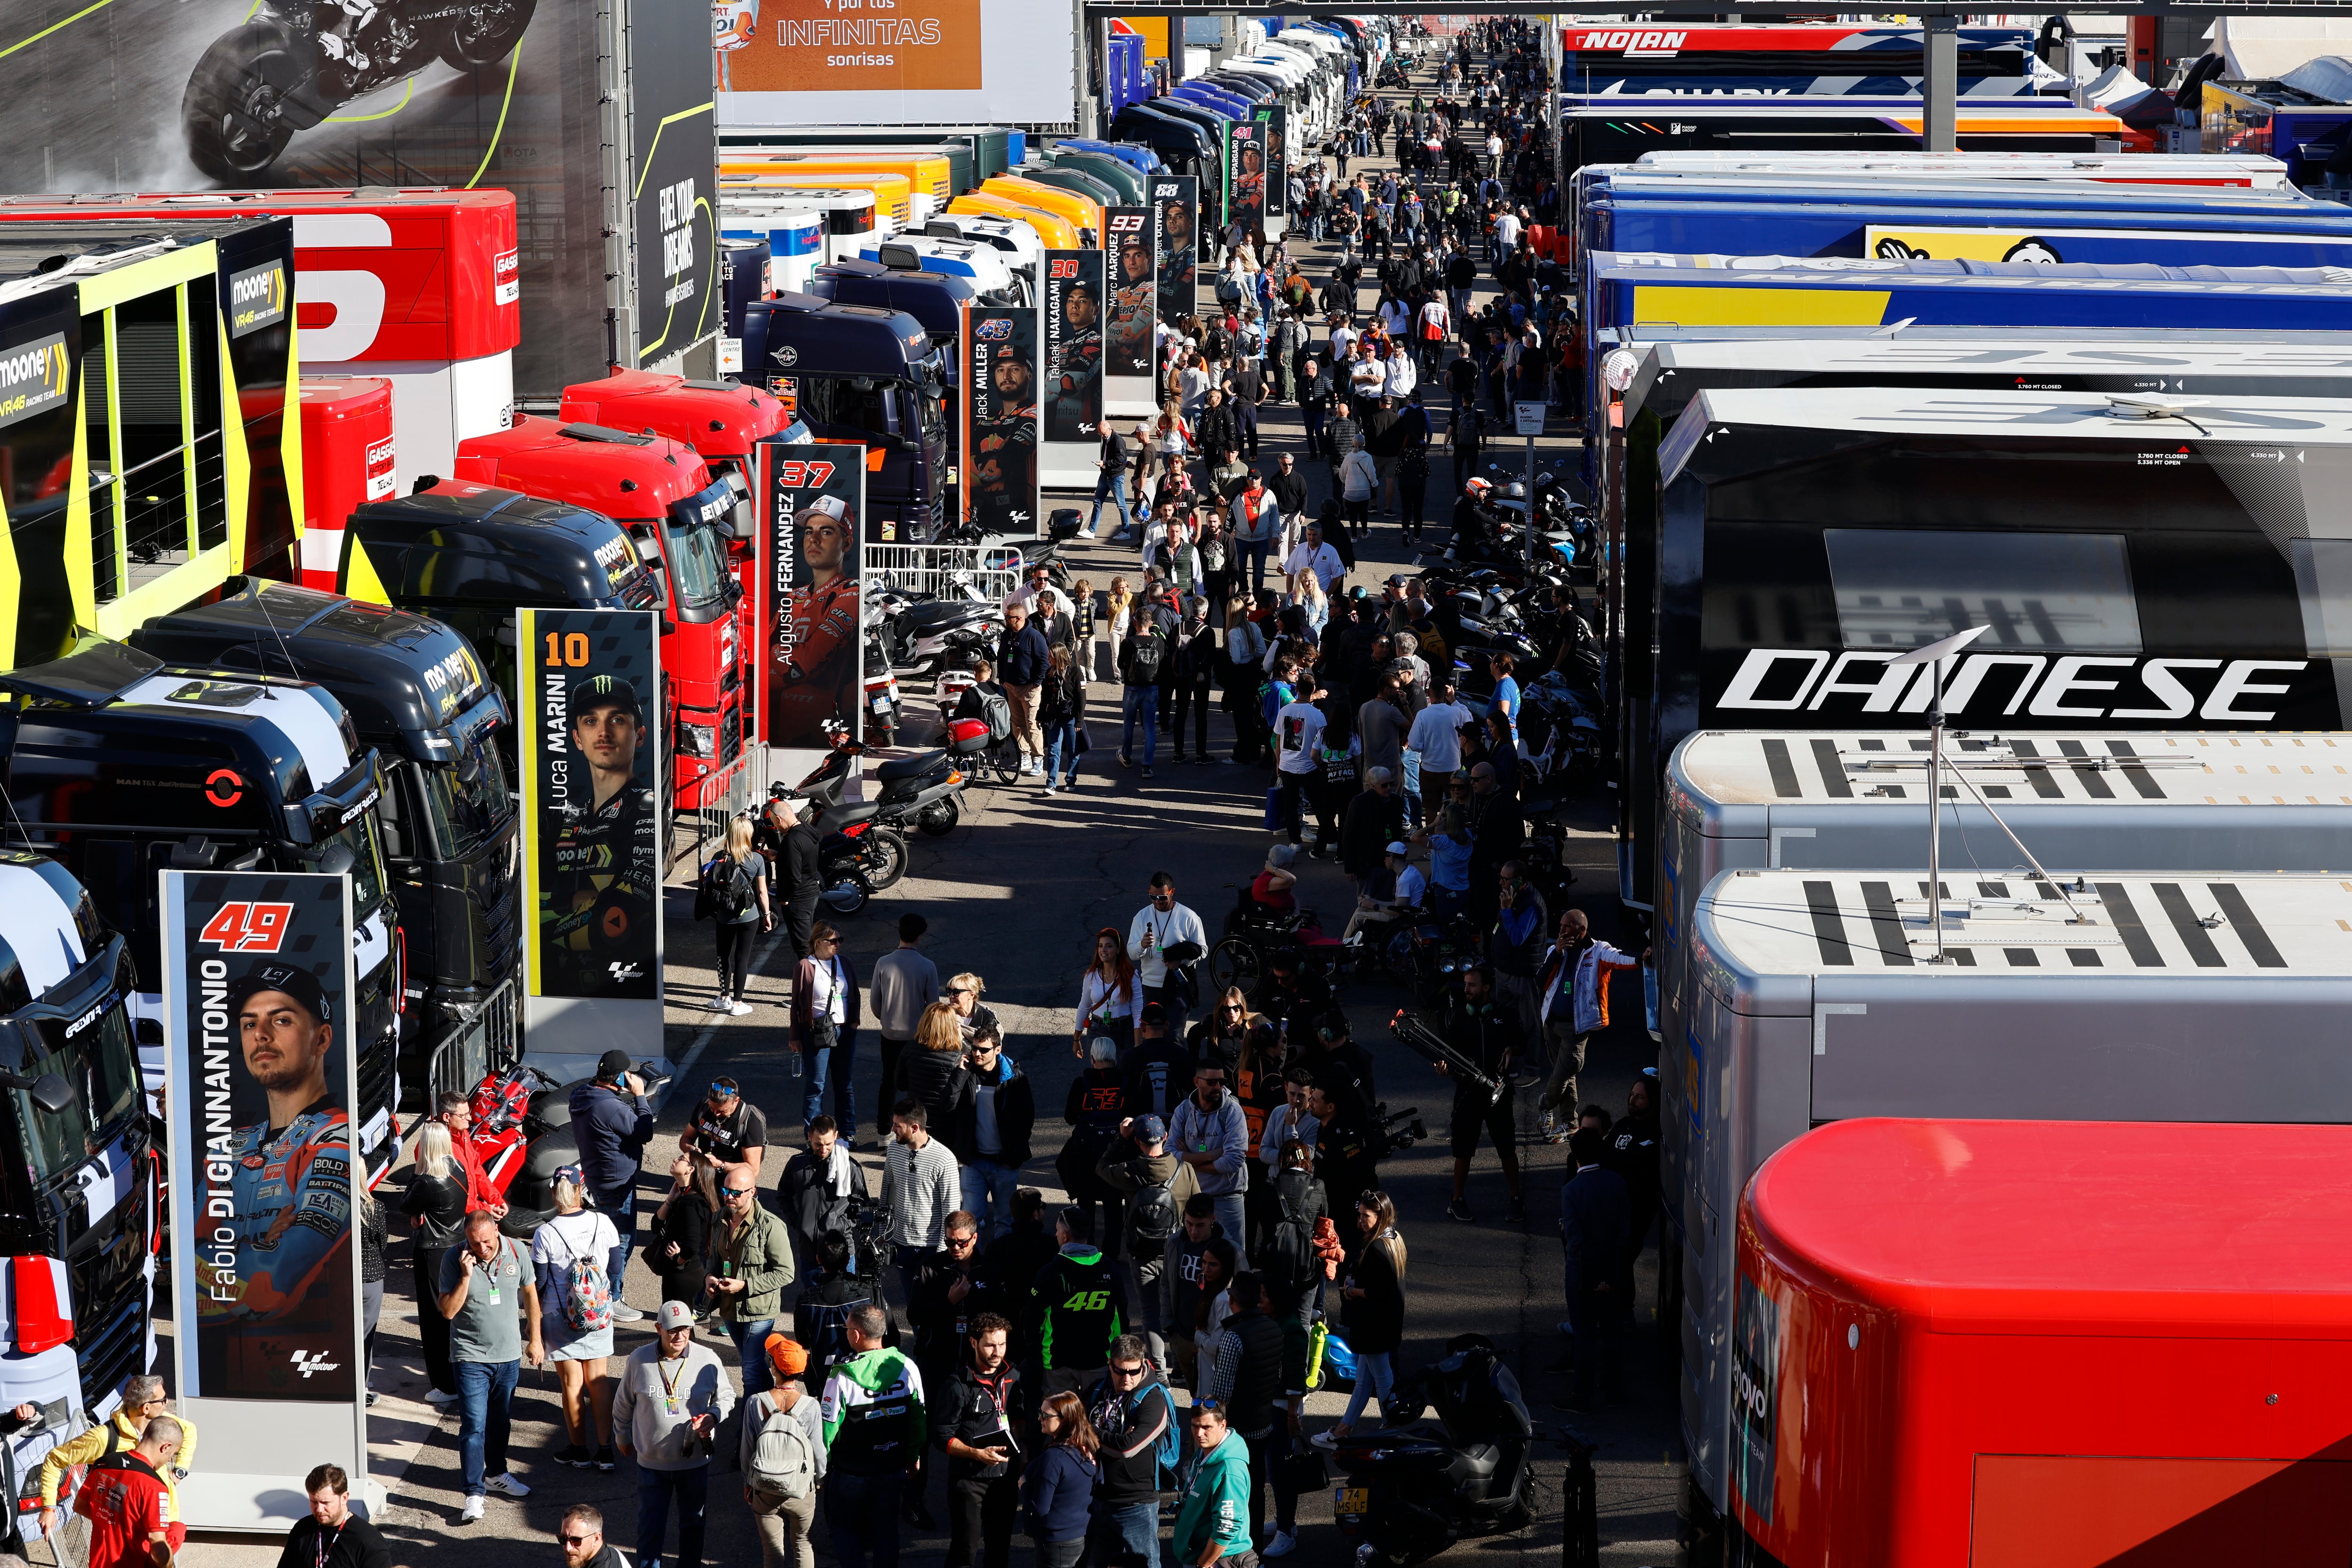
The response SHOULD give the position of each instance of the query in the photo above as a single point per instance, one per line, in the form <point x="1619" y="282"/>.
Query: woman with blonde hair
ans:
<point x="737" y="883"/>
<point x="934" y="1073"/>
<point x="436" y="1205"/>
<point x="1375" y="1310"/>
<point x="963" y="994"/>
<point x="577" y="1234"/>
<point x="1121" y="601"/>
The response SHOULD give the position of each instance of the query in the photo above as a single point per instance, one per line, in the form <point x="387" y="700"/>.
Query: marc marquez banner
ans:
<point x="1131" y="275"/>
<point x="592" y="727"/>
<point x="811" y="642"/>
<point x="1000" y="420"/>
<point x="1074" y="347"/>
<point x="259" y="1079"/>
<point x="1175" y="241"/>
<point x="1274" y="119"/>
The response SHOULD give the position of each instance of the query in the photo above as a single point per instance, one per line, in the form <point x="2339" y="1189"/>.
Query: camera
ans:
<point x="1393" y="1131"/>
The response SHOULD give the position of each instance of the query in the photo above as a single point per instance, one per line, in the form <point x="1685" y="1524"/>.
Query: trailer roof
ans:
<point x="2069" y="1226"/>
<point x="2137" y="925"/>
<point x="2103" y="768"/>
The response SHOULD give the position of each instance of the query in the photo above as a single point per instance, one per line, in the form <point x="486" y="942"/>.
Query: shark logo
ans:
<point x="307" y="1363"/>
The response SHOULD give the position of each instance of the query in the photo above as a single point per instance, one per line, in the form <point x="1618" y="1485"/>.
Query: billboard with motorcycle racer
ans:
<point x="918" y="62"/>
<point x="1134" y="284"/>
<point x="259" y="1082"/>
<point x="1001" y="432"/>
<point x="1175" y="240"/>
<point x="161" y="95"/>
<point x="591" y="818"/>
<point x="1074" y="345"/>
<point x="812" y="664"/>
<point x="1274" y="129"/>
<point x="1246" y="178"/>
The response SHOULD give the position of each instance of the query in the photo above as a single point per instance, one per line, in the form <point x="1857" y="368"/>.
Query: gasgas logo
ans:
<point x="257" y="299"/>
<point x="33" y="377"/>
<point x="506" y="274"/>
<point x="380" y="465"/>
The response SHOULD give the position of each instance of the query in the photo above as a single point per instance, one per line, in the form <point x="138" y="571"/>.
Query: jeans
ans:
<point x="655" y="1488"/>
<point x="1231" y="1215"/>
<point x="891" y="1050"/>
<point x="833" y="1066"/>
<point x="1255" y="551"/>
<point x="1190" y="697"/>
<point x="1110" y="486"/>
<point x="1598" y="1319"/>
<point x="1288" y="809"/>
<point x="981" y="1513"/>
<point x="1144" y="701"/>
<point x="988" y="1189"/>
<point x="1062" y="740"/>
<point x="861" y="1513"/>
<point x="1375" y="1377"/>
<point x="620" y="1205"/>
<point x="1061" y="1554"/>
<point x="486" y="1402"/>
<point x="1127" y="1536"/>
<point x="751" y="1349"/>
<point x="1314" y="431"/>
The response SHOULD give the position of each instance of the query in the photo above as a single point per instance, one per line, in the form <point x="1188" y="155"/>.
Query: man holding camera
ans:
<point x="673" y="1397"/>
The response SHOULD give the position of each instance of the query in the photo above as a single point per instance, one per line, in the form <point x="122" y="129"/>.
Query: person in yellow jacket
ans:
<point x="143" y="1400"/>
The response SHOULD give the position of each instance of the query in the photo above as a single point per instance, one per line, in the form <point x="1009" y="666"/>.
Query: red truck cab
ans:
<point x="1976" y="1343"/>
<point x="673" y="510"/>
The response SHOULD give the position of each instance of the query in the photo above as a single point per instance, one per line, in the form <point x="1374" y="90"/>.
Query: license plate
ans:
<point x="881" y="705"/>
<point x="1351" y="1500"/>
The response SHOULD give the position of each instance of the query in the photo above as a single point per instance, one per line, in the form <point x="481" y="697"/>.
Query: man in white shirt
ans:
<point x="1160" y="925"/>
<point x="1297" y="728"/>
<point x="1436" y="735"/>
<point x="1435" y="322"/>
<point x="1343" y="343"/>
<point x="1365" y="376"/>
<point x="1314" y="555"/>
<point x="1398" y="373"/>
<point x="1506" y="232"/>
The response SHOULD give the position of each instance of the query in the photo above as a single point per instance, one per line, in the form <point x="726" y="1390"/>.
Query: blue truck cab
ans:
<point x="862" y="372"/>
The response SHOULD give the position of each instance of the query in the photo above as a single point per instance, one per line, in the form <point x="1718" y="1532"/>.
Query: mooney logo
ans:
<point x="257" y="299"/>
<point x="33" y="377"/>
<point x="1635" y="42"/>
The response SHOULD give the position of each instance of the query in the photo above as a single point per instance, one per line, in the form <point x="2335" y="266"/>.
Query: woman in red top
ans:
<point x="1272" y="890"/>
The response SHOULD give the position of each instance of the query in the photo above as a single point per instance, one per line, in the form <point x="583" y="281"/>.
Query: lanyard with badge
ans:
<point x="490" y="1274"/>
<point x="672" y="1404"/>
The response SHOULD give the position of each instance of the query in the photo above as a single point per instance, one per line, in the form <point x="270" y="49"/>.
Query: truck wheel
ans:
<point x="486" y="33"/>
<point x="233" y="112"/>
<point x="940" y="818"/>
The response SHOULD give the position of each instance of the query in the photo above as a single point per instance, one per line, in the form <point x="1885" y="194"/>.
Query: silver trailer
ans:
<point x="2204" y="996"/>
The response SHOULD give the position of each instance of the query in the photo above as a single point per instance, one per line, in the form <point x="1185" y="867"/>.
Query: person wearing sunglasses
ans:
<point x="1135" y="1425"/>
<point x="581" y="1534"/>
<point x="750" y="1264"/>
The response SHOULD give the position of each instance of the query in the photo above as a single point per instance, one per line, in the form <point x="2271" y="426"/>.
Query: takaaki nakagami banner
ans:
<point x="1074" y="345"/>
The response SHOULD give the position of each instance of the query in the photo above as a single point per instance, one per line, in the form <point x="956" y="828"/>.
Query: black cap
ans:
<point x="612" y="1065"/>
<point x="290" y="979"/>
<point x="603" y="691"/>
<point x="1153" y="1012"/>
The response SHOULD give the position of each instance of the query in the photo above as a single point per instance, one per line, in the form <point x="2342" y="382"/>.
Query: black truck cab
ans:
<point x="418" y="693"/>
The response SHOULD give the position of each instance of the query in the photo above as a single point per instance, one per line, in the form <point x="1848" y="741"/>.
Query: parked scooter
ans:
<point x="1412" y="1491"/>
<point x="925" y="635"/>
<point x="921" y="791"/>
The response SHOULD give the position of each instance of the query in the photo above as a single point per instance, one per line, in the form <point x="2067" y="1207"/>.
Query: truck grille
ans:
<point x="379" y="1026"/>
<point x="501" y="928"/>
<point x="111" y="1295"/>
<point x="731" y="737"/>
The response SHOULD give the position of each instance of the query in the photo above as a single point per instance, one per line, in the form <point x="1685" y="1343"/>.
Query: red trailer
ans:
<point x="2049" y="1344"/>
<point x="348" y="456"/>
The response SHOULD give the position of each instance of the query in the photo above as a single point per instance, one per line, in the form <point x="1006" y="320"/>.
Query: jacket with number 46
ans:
<point x="1078" y="1307"/>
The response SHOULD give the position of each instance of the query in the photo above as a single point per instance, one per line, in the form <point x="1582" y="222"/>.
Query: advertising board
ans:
<point x="899" y="62"/>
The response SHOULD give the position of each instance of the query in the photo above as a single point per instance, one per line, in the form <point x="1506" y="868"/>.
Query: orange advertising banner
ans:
<point x="859" y="46"/>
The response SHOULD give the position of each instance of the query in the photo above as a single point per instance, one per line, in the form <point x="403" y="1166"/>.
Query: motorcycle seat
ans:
<point x="849" y="814"/>
<point x="909" y="767"/>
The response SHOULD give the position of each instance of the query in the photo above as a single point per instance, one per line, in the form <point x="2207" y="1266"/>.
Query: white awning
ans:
<point x="2264" y="48"/>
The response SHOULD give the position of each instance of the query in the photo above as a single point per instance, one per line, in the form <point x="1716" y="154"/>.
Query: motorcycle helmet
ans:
<point x="1479" y="490"/>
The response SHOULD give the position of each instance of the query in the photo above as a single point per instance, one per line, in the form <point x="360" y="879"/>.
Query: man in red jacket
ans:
<point x="131" y="1521"/>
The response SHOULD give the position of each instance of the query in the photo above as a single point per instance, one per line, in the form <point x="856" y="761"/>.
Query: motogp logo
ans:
<point x="307" y="1361"/>
<point x="1001" y="327"/>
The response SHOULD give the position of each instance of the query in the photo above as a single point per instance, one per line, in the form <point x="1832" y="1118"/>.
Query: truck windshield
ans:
<point x="467" y="813"/>
<point x="367" y="864"/>
<point x="99" y="1061"/>
<point x="698" y="562"/>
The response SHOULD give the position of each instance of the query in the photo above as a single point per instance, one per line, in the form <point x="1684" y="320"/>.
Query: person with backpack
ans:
<point x="1140" y="658"/>
<point x="783" y="1457"/>
<point x="821" y="1311"/>
<point x="1078" y="1306"/>
<point x="733" y="891"/>
<point x="750" y="1264"/>
<point x="1295" y="1204"/>
<point x="1156" y="1185"/>
<point x="568" y="1253"/>
<point x="673" y="1396"/>
<point x="981" y="1421"/>
<point x="1140" y="1447"/>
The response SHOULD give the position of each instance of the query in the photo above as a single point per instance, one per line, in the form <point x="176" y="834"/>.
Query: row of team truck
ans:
<point x="2000" y="1208"/>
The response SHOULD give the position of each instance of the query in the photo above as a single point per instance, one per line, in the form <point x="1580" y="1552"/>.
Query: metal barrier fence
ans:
<point x="708" y="823"/>
<point x="942" y="569"/>
<point x="486" y="1043"/>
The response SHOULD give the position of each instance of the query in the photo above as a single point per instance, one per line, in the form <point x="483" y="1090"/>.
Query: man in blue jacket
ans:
<point x="1021" y="669"/>
<point x="612" y="1120"/>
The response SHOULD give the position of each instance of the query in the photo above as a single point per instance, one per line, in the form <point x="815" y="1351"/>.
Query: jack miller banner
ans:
<point x="261" y="1078"/>
<point x="812" y="667"/>
<point x="591" y="702"/>
<point x="1000" y="412"/>
<point x="1246" y="179"/>
<point x="1074" y="345"/>
<point x="1134" y="291"/>
<point x="1175" y="241"/>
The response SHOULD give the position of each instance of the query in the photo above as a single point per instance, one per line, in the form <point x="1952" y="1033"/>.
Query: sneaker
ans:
<point x="1518" y="1211"/>
<point x="1070" y="783"/>
<point x="472" y="1512"/>
<point x="574" y="1456"/>
<point x="717" y="1005"/>
<point x="507" y="1484"/>
<point x="372" y="1397"/>
<point x="1567" y="1329"/>
<point x="1126" y="761"/>
<point x="624" y="1313"/>
<point x="1049" y="786"/>
<point x="740" y="1009"/>
<point x="605" y="1460"/>
<point x="1147" y="773"/>
<point x="1459" y="1210"/>
<point x="1283" y="1544"/>
<point x="440" y="1397"/>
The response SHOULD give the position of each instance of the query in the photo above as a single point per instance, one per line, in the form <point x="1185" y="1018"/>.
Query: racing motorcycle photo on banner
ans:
<point x="260" y="1078"/>
<point x="1000" y="420"/>
<point x="811" y="644"/>
<point x="1074" y="345"/>
<point x="1175" y="241"/>
<point x="592" y="821"/>
<point x="1134" y="292"/>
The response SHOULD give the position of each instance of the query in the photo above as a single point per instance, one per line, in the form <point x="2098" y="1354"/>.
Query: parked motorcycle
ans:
<point x="920" y="790"/>
<point x="291" y="63"/>
<point x="522" y="1135"/>
<point x="924" y="635"/>
<point x="1412" y="1491"/>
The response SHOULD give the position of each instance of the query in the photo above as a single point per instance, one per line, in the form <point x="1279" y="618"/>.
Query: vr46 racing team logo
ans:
<point x="33" y="377"/>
